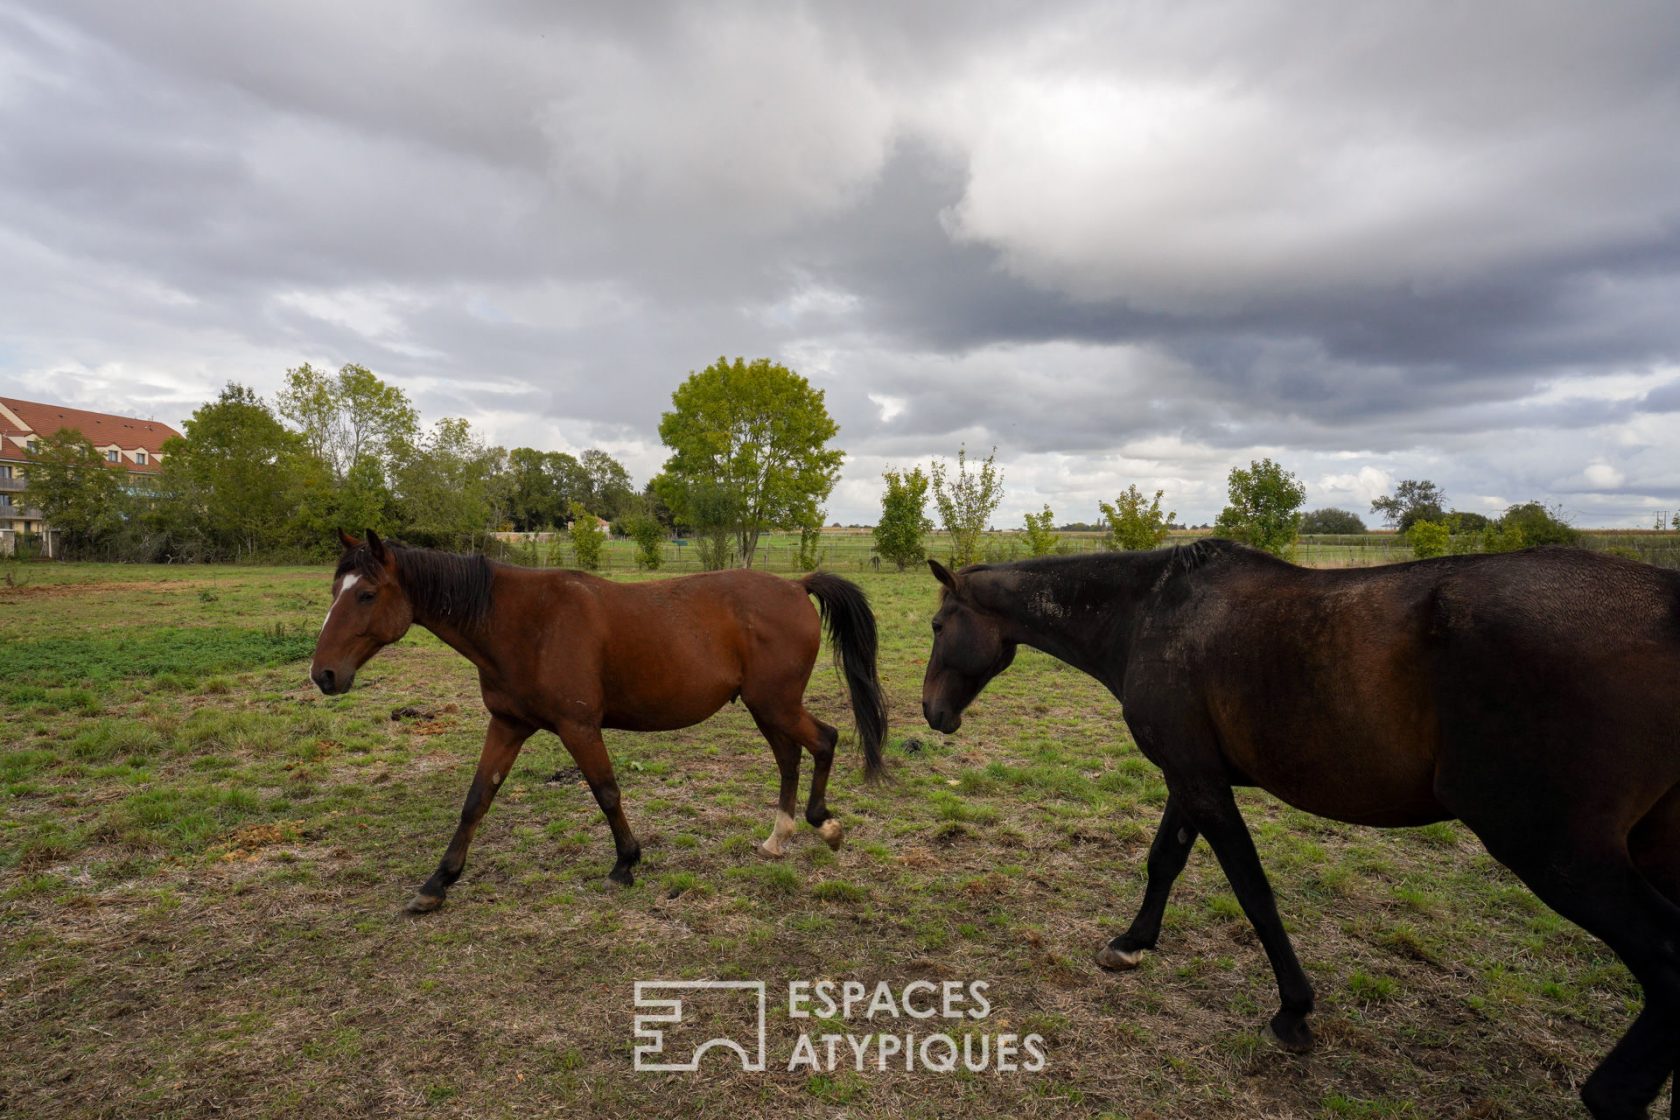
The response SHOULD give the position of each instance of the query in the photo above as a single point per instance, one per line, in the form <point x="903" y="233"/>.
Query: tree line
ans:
<point x="254" y="479"/>
<point x="750" y="448"/>
<point x="1263" y="510"/>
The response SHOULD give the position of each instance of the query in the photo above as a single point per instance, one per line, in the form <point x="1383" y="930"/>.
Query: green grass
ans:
<point x="202" y="862"/>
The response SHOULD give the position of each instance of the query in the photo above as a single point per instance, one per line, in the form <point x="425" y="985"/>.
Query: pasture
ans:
<point x="202" y="863"/>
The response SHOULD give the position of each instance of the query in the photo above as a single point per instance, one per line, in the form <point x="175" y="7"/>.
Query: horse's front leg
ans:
<point x="1167" y="856"/>
<point x="590" y="753"/>
<point x="502" y="741"/>
<point x="1214" y="810"/>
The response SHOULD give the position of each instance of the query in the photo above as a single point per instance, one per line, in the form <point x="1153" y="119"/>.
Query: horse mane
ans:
<point x="447" y="585"/>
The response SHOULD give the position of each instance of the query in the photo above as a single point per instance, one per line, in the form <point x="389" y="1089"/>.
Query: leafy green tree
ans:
<point x="451" y="489"/>
<point x="1534" y="524"/>
<point x="1412" y="500"/>
<point x="900" y="534"/>
<point x="1332" y="521"/>
<point x="1133" y="523"/>
<point x="610" y="491"/>
<point x="236" y="481"/>
<point x="79" y="494"/>
<point x="966" y="503"/>
<point x="749" y="441"/>
<point x="1041" y="533"/>
<point x="348" y="417"/>
<point x="587" y="537"/>
<point x="811" y="552"/>
<point x="1462" y="522"/>
<point x="541" y="486"/>
<point x="1429" y="538"/>
<point x="1264" y="509"/>
<point x="644" y="529"/>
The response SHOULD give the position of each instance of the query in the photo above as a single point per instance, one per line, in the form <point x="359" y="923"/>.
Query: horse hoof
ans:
<point x="1295" y="1038"/>
<point x="621" y="876"/>
<point x="1118" y="960"/>
<point x="832" y="833"/>
<point x="423" y="903"/>
<point x="765" y="850"/>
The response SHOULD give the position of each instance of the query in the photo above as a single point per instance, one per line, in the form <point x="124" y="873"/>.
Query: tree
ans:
<point x="348" y="417"/>
<point x="1041" y="533"/>
<point x="966" y="503"/>
<point x="587" y="537"/>
<point x="1134" y="525"/>
<point x="610" y="490"/>
<point x="235" y="483"/>
<point x="1331" y="522"/>
<point x="541" y="486"/>
<point x="451" y="489"/>
<point x="649" y="535"/>
<point x="900" y="533"/>
<point x="1411" y="501"/>
<point x="1429" y="538"/>
<point x="749" y="442"/>
<point x="1265" y="507"/>
<point x="1531" y="523"/>
<point x="79" y="494"/>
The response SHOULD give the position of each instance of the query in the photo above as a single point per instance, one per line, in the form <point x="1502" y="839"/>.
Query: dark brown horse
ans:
<point x="1534" y="696"/>
<point x="571" y="653"/>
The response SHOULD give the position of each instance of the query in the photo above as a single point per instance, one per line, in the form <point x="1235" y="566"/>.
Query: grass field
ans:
<point x="202" y="862"/>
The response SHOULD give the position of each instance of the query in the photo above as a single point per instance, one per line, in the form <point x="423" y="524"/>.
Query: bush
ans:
<point x="587" y="537"/>
<point x="1332" y="522"/>
<point x="1041" y="535"/>
<point x="649" y="536"/>
<point x="1429" y="538"/>
<point x="1132" y="523"/>
<point x="1536" y="525"/>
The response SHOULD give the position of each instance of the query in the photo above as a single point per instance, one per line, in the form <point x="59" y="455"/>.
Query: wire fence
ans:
<point x="853" y="550"/>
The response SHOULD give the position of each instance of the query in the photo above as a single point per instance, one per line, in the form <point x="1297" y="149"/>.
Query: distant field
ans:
<point x="202" y="860"/>
<point x="853" y="550"/>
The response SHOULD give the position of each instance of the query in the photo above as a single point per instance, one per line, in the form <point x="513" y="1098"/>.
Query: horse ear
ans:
<point x="376" y="547"/>
<point x="348" y="541"/>
<point x="942" y="574"/>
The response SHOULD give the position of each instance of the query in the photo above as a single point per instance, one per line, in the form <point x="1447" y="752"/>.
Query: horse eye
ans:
<point x="365" y="597"/>
<point x="938" y="626"/>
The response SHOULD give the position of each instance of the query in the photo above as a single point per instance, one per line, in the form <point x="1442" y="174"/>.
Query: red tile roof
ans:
<point x="101" y="428"/>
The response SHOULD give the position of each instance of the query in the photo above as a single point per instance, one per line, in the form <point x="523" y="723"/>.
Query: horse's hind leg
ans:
<point x="590" y="754"/>
<point x="1595" y="884"/>
<point x="786" y="733"/>
<point x="821" y="745"/>
<point x="502" y="741"/>
<point x="1167" y="856"/>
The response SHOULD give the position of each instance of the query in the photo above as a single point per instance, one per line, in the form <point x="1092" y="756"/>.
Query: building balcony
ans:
<point x="13" y="484"/>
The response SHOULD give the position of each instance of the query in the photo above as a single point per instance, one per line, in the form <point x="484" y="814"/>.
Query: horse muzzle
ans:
<point x="332" y="683"/>
<point x="941" y="718"/>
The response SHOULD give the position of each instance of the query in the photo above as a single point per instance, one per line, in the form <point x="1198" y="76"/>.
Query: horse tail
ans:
<point x="851" y="631"/>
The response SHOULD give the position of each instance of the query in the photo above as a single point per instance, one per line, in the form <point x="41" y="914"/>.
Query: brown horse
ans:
<point x="571" y="653"/>
<point x="1534" y="696"/>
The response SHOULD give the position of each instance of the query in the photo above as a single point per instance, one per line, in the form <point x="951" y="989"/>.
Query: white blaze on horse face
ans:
<point x="777" y="844"/>
<point x="349" y="582"/>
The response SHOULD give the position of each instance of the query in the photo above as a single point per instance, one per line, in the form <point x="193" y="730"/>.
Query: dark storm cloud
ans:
<point x="1125" y="243"/>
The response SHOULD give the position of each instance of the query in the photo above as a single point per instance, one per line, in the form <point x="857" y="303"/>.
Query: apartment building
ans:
<point x="132" y="445"/>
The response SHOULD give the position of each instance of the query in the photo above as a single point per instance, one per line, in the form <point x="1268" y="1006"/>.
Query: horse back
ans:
<point x="1363" y="694"/>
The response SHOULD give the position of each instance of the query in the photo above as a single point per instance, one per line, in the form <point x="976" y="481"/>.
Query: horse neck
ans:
<point x="470" y="640"/>
<point x="1081" y="612"/>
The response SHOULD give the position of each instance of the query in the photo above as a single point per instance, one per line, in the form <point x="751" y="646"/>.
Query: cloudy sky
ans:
<point x="1120" y="242"/>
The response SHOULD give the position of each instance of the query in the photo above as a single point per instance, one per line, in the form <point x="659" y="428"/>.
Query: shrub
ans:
<point x="1134" y="524"/>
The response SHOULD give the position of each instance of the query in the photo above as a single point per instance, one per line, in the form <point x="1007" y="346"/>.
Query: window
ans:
<point x="5" y="470"/>
<point x="34" y="445"/>
<point x="113" y="456"/>
<point x="140" y="457"/>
